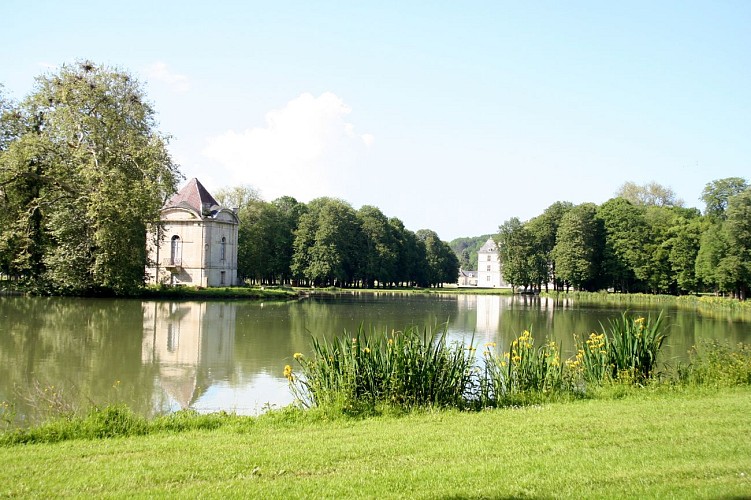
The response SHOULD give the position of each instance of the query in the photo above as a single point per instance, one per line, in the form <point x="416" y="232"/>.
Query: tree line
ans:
<point x="84" y="171"/>
<point x="642" y="240"/>
<point x="326" y="242"/>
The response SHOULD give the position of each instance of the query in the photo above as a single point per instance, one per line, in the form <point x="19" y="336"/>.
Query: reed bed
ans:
<point x="418" y="368"/>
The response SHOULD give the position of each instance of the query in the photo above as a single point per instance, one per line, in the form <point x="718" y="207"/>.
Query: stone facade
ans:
<point x="196" y="241"/>
<point x="489" y="266"/>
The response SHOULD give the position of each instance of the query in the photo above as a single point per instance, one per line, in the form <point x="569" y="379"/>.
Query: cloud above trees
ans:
<point x="306" y="149"/>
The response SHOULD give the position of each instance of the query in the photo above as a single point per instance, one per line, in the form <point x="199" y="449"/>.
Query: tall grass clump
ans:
<point x="522" y="370"/>
<point x="716" y="364"/>
<point x="625" y="351"/>
<point x="407" y="369"/>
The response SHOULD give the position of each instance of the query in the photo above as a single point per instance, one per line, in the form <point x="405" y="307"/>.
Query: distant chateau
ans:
<point x="488" y="274"/>
<point x="196" y="241"/>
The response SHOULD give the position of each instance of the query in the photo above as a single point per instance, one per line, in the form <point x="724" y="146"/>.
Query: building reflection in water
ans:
<point x="191" y="343"/>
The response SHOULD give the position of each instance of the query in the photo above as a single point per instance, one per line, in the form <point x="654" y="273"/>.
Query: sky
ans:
<point x="452" y="116"/>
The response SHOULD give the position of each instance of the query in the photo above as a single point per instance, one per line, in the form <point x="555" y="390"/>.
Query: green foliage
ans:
<point x="717" y="364"/>
<point x="650" y="194"/>
<point x="522" y="370"/>
<point x="716" y="195"/>
<point x="405" y="369"/>
<point x="516" y="253"/>
<point x="633" y="346"/>
<point x="84" y="172"/>
<point x="579" y="246"/>
<point x="409" y="369"/>
<point x="466" y="250"/>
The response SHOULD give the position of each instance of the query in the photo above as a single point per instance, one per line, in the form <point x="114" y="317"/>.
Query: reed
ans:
<point x="407" y="368"/>
<point x="717" y="364"/>
<point x="521" y="371"/>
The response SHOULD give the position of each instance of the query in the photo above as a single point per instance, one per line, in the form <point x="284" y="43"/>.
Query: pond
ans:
<point x="161" y="356"/>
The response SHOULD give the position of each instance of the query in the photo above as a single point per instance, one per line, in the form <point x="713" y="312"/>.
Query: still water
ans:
<point x="161" y="356"/>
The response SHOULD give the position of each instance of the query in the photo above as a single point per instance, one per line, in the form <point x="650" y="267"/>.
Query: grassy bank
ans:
<point x="225" y="293"/>
<point x="694" y="302"/>
<point x="651" y="443"/>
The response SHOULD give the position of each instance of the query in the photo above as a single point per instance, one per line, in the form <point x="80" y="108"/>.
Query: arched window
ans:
<point x="175" y="254"/>
<point x="223" y="251"/>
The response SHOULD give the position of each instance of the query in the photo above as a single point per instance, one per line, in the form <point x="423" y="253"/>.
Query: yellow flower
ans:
<point x="288" y="373"/>
<point x="298" y="355"/>
<point x="367" y="350"/>
<point x="490" y="344"/>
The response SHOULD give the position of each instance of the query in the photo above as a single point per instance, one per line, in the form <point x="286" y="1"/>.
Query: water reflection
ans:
<point x="160" y="356"/>
<point x="191" y="344"/>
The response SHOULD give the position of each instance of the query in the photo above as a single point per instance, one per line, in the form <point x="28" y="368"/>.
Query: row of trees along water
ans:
<point x="642" y="240"/>
<point x="84" y="171"/>
<point x="326" y="242"/>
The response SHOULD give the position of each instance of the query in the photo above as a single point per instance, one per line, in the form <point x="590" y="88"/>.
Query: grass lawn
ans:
<point x="688" y="444"/>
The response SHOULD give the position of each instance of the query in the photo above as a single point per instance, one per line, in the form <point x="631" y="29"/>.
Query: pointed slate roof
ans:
<point x="193" y="195"/>
<point x="488" y="247"/>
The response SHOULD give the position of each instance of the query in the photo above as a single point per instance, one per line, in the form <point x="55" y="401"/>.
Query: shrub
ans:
<point x="409" y="368"/>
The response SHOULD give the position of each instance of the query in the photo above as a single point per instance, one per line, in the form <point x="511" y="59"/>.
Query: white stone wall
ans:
<point x="197" y="259"/>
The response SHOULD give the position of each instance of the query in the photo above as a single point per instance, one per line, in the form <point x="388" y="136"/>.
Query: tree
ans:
<point x="543" y="230"/>
<point x="380" y="253"/>
<point x="86" y="175"/>
<point x="442" y="265"/>
<point x="650" y="194"/>
<point x="515" y="251"/>
<point x="717" y="194"/>
<point x="738" y="230"/>
<point x="684" y="247"/>
<point x="578" y="247"/>
<point x="326" y="246"/>
<point x="626" y="232"/>
<point x="237" y="196"/>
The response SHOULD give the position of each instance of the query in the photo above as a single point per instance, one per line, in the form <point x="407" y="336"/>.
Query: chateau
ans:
<point x="489" y="266"/>
<point x="195" y="242"/>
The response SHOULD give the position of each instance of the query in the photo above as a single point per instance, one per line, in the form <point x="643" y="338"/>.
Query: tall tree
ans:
<point x="650" y="194"/>
<point x="738" y="228"/>
<point x="327" y="243"/>
<point x="379" y="252"/>
<point x="543" y="230"/>
<point x="717" y="194"/>
<point x="515" y="252"/>
<point x="578" y="248"/>
<point x="442" y="264"/>
<point x="626" y="232"/>
<point x="89" y="172"/>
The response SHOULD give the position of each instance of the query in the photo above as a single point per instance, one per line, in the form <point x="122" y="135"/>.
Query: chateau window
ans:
<point x="221" y="278"/>
<point x="223" y="251"/>
<point x="488" y="267"/>
<point x="175" y="253"/>
<point x="488" y="257"/>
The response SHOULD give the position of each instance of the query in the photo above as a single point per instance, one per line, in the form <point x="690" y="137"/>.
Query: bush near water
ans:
<point x="364" y="372"/>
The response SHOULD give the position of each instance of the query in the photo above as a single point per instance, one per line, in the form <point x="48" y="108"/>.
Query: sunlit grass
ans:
<point x="664" y="442"/>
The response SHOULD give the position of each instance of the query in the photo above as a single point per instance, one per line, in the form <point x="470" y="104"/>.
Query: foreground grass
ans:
<point x="664" y="443"/>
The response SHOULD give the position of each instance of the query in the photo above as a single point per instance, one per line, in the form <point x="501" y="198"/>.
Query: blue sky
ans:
<point x="453" y="116"/>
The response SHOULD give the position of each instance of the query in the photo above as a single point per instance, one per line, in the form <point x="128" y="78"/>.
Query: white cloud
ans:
<point x="305" y="150"/>
<point x="159" y="72"/>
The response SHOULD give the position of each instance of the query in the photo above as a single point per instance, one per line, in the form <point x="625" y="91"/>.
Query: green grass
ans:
<point x="705" y="303"/>
<point x="687" y="443"/>
<point x="188" y="292"/>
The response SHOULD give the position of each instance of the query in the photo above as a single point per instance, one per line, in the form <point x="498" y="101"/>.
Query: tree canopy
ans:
<point x="83" y="171"/>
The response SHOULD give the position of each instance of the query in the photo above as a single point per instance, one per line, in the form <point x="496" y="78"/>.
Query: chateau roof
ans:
<point x="194" y="196"/>
<point x="488" y="247"/>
